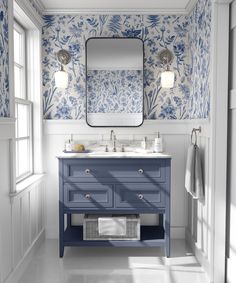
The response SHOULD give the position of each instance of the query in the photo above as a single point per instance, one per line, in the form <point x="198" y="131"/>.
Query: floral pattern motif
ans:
<point x="115" y="91"/>
<point x="199" y="42"/>
<point x="186" y="36"/>
<point x="4" y="60"/>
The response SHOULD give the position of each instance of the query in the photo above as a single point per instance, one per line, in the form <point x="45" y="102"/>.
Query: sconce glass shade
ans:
<point x="61" y="79"/>
<point x="167" y="79"/>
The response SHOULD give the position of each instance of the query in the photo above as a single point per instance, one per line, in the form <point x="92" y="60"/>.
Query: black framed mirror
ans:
<point x="114" y="82"/>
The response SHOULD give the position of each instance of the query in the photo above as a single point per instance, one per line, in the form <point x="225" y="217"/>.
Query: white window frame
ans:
<point x="22" y="66"/>
<point x="24" y="101"/>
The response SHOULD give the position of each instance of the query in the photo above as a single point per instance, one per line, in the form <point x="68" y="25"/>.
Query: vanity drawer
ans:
<point x="88" y="195"/>
<point x="136" y="195"/>
<point x="95" y="169"/>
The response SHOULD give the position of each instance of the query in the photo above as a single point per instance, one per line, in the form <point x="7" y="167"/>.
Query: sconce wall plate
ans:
<point x="166" y="56"/>
<point x="63" y="56"/>
<point x="167" y="77"/>
<point x="61" y="77"/>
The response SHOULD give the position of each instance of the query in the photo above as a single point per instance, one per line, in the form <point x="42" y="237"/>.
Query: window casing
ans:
<point x="23" y="107"/>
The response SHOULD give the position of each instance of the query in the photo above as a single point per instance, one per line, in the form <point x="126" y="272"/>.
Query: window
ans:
<point x="23" y="107"/>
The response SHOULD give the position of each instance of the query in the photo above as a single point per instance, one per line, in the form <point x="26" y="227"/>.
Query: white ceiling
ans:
<point x="140" y="6"/>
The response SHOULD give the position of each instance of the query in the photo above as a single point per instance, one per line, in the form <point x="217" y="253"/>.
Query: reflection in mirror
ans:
<point x="114" y="81"/>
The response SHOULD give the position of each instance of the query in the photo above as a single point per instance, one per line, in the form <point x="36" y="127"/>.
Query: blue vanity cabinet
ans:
<point x="115" y="186"/>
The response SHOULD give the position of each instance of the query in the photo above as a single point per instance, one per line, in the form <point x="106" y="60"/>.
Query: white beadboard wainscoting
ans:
<point x="190" y="219"/>
<point x="199" y="224"/>
<point x="21" y="214"/>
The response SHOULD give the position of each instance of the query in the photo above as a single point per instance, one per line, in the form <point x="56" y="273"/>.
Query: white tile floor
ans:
<point x="113" y="265"/>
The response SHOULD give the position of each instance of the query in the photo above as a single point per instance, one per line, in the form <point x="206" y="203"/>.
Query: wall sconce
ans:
<point x="167" y="77"/>
<point x="61" y="77"/>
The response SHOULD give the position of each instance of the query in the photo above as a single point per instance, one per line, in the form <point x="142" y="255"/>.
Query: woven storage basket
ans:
<point x="90" y="228"/>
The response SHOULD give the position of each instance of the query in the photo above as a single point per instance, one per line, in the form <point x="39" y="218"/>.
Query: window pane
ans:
<point x="23" y="120"/>
<point x="17" y="160"/>
<point x="16" y="115"/>
<point x="19" y="82"/>
<point x="18" y="47"/>
<point x="23" y="157"/>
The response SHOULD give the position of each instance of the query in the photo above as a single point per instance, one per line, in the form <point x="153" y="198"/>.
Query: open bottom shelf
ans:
<point x="151" y="236"/>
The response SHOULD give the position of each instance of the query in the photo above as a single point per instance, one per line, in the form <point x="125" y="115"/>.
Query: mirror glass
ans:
<point x="114" y="82"/>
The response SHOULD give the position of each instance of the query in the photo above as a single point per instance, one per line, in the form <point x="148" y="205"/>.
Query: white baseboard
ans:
<point x="51" y="232"/>
<point x="26" y="259"/>
<point x="231" y="271"/>
<point x="200" y="256"/>
<point x="177" y="232"/>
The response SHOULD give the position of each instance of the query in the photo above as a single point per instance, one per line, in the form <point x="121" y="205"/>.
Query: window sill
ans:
<point x="26" y="183"/>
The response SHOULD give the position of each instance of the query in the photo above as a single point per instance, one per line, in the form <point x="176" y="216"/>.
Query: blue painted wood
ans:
<point x="135" y="195"/>
<point x="88" y="195"/>
<point x="61" y="211"/>
<point x="151" y="236"/>
<point x="168" y="204"/>
<point x="114" y="169"/>
<point x="115" y="186"/>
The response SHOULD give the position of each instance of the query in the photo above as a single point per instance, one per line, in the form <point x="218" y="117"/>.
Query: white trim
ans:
<point x="7" y="128"/>
<point x="218" y="152"/>
<point x="190" y="6"/>
<point x="7" y="121"/>
<point x="23" y="8"/>
<point x="173" y="127"/>
<point x="233" y="16"/>
<point x="201" y="257"/>
<point x="11" y="57"/>
<point x="22" y="186"/>
<point x="226" y="2"/>
<point x="115" y="11"/>
<point x="177" y="232"/>
<point x="149" y="11"/>
<point x="232" y="99"/>
<point x="231" y="263"/>
<point x="39" y="5"/>
<point x="33" y="24"/>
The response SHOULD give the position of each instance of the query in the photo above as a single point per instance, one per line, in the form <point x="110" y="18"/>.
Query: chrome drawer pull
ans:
<point x="87" y="171"/>
<point x="88" y="196"/>
<point x="140" y="196"/>
<point x="140" y="171"/>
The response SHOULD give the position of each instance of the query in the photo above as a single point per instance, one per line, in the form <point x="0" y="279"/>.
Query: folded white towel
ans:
<point x="193" y="174"/>
<point x="112" y="226"/>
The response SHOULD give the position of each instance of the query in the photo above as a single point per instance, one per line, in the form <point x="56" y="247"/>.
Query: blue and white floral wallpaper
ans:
<point x="199" y="45"/>
<point x="115" y="91"/>
<point x="4" y="60"/>
<point x="187" y="36"/>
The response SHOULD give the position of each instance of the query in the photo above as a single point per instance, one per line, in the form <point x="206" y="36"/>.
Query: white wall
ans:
<point x="231" y="261"/>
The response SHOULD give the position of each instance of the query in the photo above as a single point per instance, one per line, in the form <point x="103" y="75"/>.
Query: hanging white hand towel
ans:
<point x="193" y="174"/>
<point x="112" y="226"/>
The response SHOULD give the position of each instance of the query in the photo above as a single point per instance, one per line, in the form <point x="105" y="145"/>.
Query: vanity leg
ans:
<point x="68" y="220"/>
<point x="167" y="232"/>
<point x="61" y="230"/>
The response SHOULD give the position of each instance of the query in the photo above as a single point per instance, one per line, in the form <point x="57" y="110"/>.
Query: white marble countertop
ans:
<point x="97" y="154"/>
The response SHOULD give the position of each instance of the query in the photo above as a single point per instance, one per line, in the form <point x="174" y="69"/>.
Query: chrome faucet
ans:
<point x="113" y="138"/>
<point x="112" y="135"/>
